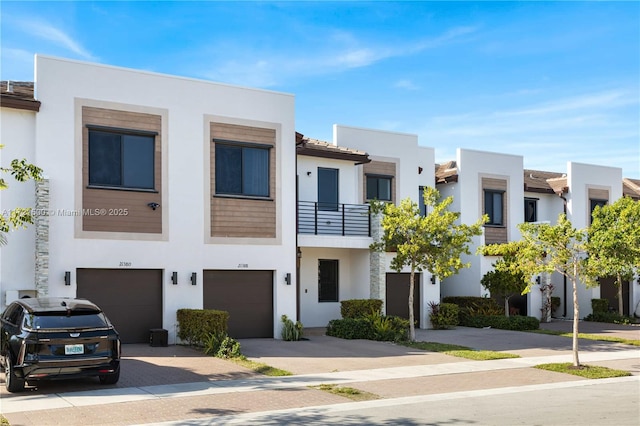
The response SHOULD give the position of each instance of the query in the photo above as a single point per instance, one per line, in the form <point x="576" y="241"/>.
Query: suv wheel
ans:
<point x="110" y="379"/>
<point x="12" y="382"/>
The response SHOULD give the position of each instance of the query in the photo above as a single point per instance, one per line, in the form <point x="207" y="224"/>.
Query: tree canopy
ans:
<point x="434" y="242"/>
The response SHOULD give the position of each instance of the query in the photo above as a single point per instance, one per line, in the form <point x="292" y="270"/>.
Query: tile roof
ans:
<point x="631" y="188"/>
<point x="447" y="172"/>
<point x="544" y="182"/>
<point x="19" y="95"/>
<point x="318" y="148"/>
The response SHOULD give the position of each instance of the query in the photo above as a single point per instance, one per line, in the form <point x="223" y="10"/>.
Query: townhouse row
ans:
<point x="163" y="192"/>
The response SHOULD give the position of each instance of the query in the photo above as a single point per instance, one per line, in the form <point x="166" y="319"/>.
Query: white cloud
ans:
<point x="405" y="84"/>
<point x="56" y="36"/>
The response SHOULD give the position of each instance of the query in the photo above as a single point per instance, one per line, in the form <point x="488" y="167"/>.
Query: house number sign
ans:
<point x="125" y="264"/>
<point x="243" y="265"/>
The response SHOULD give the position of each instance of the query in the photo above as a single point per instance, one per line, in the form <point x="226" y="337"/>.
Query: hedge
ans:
<point x="195" y="325"/>
<point x="350" y="328"/>
<point x="444" y="315"/>
<point x="358" y="308"/>
<point x="502" y="322"/>
<point x="599" y="305"/>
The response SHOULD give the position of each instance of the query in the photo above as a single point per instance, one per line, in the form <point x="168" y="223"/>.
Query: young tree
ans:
<point x="546" y="248"/>
<point x="614" y="242"/>
<point x="18" y="217"/>
<point x="433" y="242"/>
<point x="504" y="282"/>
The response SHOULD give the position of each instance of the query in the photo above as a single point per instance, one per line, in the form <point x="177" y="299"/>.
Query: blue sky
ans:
<point x="551" y="81"/>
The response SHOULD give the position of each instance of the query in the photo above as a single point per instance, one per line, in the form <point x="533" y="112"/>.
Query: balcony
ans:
<point x="334" y="219"/>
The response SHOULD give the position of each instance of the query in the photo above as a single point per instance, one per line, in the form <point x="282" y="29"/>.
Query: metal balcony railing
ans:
<point x="334" y="219"/>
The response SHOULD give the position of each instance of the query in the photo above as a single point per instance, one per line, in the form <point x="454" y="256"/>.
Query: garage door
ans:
<point x="131" y="298"/>
<point x="247" y="296"/>
<point x="609" y="291"/>
<point x="398" y="295"/>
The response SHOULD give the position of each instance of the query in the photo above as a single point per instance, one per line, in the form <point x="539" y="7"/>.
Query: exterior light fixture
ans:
<point x="174" y="278"/>
<point x="67" y="278"/>
<point x="287" y="278"/>
<point x="194" y="278"/>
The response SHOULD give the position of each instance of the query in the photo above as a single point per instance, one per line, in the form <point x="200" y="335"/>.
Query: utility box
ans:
<point x="158" y="337"/>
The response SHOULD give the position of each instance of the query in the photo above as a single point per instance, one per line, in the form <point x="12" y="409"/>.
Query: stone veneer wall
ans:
<point x="42" y="238"/>
<point x="377" y="276"/>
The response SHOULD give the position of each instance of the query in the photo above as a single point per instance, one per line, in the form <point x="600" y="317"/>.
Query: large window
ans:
<point x="593" y="203"/>
<point x="327" y="280"/>
<point x="493" y="206"/>
<point x="327" y="189"/>
<point x="421" y="203"/>
<point x="121" y="159"/>
<point x="378" y="187"/>
<point x="242" y="170"/>
<point x="530" y="209"/>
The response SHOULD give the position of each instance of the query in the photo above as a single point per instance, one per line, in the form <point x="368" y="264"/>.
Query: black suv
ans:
<point x="57" y="338"/>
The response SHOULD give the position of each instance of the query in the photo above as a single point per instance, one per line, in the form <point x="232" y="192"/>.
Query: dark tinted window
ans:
<point x="379" y="188"/>
<point x="242" y="170"/>
<point x="493" y="207"/>
<point x="62" y="321"/>
<point x="327" y="189"/>
<point x="121" y="160"/>
<point x="327" y="280"/>
<point x="530" y="210"/>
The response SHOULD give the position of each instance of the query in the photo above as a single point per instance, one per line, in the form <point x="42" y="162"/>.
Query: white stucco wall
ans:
<point x="17" y="134"/>
<point x="186" y="107"/>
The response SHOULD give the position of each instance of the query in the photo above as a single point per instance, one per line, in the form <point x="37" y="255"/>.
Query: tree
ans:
<point x="504" y="282"/>
<point x="614" y="242"/>
<point x="546" y="248"/>
<point x="18" y="217"/>
<point x="434" y="242"/>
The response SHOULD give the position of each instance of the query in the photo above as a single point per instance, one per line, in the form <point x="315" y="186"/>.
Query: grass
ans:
<point x="351" y="393"/>
<point x="589" y="337"/>
<point x="587" y="371"/>
<point x="259" y="367"/>
<point x="459" y="351"/>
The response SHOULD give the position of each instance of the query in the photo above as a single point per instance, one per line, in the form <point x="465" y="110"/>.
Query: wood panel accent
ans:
<point x="497" y="234"/>
<point x="139" y="218"/>
<point x="598" y="194"/>
<point x="243" y="217"/>
<point x="385" y="168"/>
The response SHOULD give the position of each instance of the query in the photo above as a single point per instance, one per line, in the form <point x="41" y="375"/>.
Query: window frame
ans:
<point x="593" y="203"/>
<point x="378" y="178"/>
<point x="491" y="214"/>
<point x="336" y="272"/>
<point x="122" y="132"/>
<point x="534" y="202"/>
<point x="242" y="146"/>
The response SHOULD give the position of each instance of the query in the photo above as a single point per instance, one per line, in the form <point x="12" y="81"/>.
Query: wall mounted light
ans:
<point x="308" y="173"/>
<point x="538" y="279"/>
<point x="153" y="205"/>
<point x="287" y="278"/>
<point x="433" y="279"/>
<point x="299" y="253"/>
<point x="194" y="278"/>
<point x="67" y="278"/>
<point x="174" y="278"/>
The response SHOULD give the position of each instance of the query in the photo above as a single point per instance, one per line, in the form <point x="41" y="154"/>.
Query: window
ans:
<point x="379" y="188"/>
<point x="327" y="280"/>
<point x="327" y="189"/>
<point x="121" y="159"/>
<point x="593" y="203"/>
<point x="421" y="204"/>
<point x="242" y="170"/>
<point x="493" y="206"/>
<point x="530" y="209"/>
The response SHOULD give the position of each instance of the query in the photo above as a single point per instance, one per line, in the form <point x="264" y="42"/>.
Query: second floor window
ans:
<point x="493" y="207"/>
<point x="530" y="210"/>
<point x="118" y="159"/>
<point x="327" y="189"/>
<point x="242" y="170"/>
<point x="379" y="188"/>
<point x="593" y="203"/>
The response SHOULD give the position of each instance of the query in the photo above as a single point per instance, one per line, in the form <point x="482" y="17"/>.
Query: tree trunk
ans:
<point x="576" y="314"/>
<point x="412" y="328"/>
<point x="506" y="307"/>
<point x="620" y="301"/>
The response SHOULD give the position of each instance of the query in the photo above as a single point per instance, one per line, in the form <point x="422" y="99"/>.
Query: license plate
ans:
<point x="73" y="349"/>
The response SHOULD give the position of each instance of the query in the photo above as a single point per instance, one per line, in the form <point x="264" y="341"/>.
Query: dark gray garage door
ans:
<point x="398" y="295"/>
<point x="247" y="296"/>
<point x="131" y="298"/>
<point x="609" y="291"/>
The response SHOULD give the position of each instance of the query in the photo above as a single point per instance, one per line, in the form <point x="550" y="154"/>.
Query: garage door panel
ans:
<point x="246" y="295"/>
<point x="131" y="298"/>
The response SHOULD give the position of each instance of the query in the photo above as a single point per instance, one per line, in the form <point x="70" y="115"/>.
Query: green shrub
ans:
<point x="610" y="317"/>
<point x="350" y="328"/>
<point x="388" y="328"/>
<point x="600" y="305"/>
<point x="195" y="325"/>
<point x="221" y="345"/>
<point x="519" y="323"/>
<point x="443" y="315"/>
<point x="291" y="331"/>
<point x="358" y="308"/>
<point x="471" y="306"/>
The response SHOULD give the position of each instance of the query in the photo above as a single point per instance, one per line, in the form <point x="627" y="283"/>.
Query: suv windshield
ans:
<point x="62" y="321"/>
